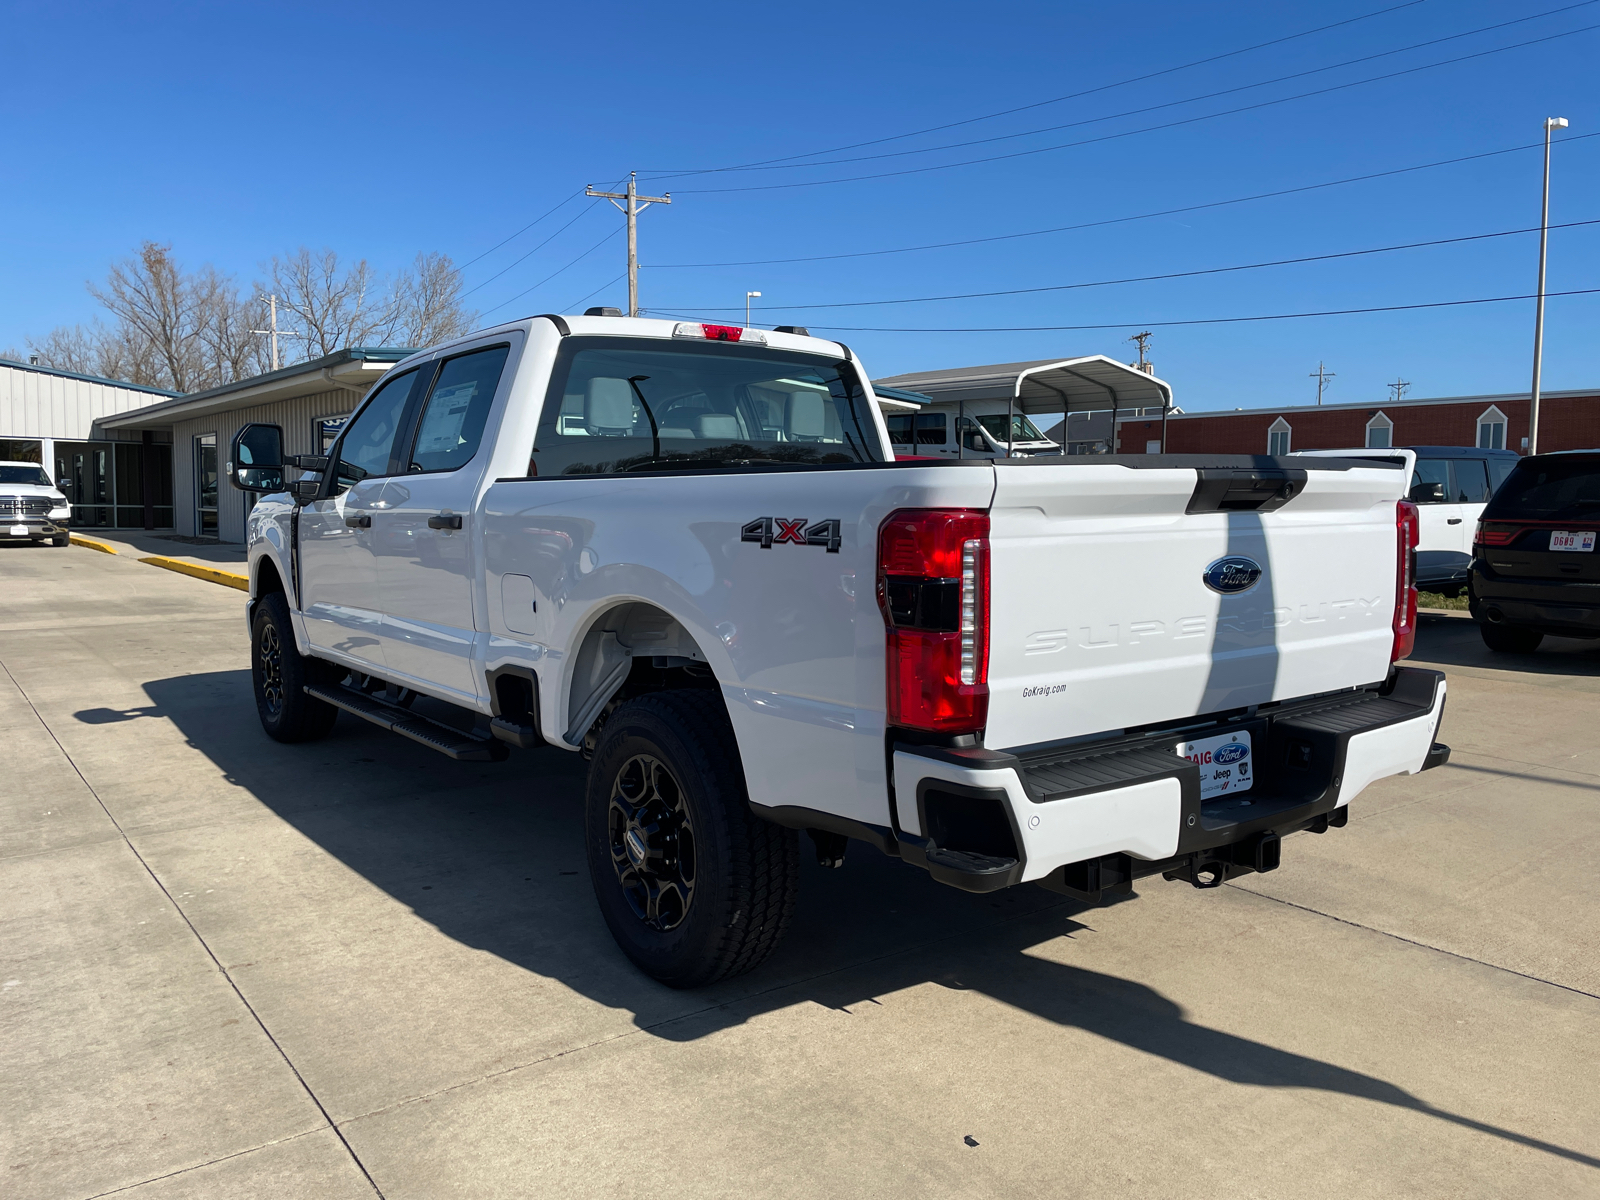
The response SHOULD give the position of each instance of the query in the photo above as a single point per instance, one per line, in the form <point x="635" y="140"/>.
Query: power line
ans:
<point x="1199" y="62"/>
<point x="1336" y="312"/>
<point x="523" y="258"/>
<point x="1108" y="137"/>
<point x="554" y="273"/>
<point x="1068" y="287"/>
<point x="596" y="292"/>
<point x="519" y="232"/>
<point x="1166" y="212"/>
<point x="1133" y="112"/>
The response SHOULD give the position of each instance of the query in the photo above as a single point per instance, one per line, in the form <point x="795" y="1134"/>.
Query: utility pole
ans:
<point x="635" y="205"/>
<point x="1398" y="387"/>
<point x="1322" y="375"/>
<point x="1144" y="343"/>
<point x="1550" y="125"/>
<point x="274" y="332"/>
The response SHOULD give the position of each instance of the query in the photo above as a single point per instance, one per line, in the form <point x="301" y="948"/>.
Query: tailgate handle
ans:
<point x="1258" y="489"/>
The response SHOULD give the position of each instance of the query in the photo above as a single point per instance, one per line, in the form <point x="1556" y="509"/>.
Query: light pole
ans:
<point x="1551" y="124"/>
<point x="747" y="298"/>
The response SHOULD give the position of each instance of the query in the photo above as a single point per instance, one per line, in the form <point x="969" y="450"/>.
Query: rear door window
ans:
<point x="1549" y="490"/>
<point x="900" y="429"/>
<point x="1471" y="484"/>
<point x="626" y="404"/>
<point x="931" y="429"/>
<point x="458" y="406"/>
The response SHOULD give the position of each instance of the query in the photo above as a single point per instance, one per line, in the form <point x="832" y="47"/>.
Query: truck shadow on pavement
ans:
<point x="491" y="855"/>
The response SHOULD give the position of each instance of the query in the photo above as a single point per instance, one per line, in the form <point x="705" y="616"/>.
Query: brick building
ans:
<point x="1567" y="421"/>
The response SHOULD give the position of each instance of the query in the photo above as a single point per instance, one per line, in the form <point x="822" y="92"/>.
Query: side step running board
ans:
<point x="452" y="743"/>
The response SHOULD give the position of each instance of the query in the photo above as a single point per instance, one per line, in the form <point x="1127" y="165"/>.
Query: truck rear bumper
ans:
<point x="1082" y="818"/>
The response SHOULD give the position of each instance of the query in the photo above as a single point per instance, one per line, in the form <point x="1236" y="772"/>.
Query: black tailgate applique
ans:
<point x="770" y="531"/>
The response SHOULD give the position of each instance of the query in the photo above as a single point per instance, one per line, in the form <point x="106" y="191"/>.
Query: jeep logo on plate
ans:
<point x="1232" y="575"/>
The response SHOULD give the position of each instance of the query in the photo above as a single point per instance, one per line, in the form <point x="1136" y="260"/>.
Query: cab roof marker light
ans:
<point x="718" y="333"/>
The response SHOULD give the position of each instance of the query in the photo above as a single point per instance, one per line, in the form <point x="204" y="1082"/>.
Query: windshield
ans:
<point x="623" y="404"/>
<point x="1550" y="490"/>
<point x="34" y="476"/>
<point x="1022" y="429"/>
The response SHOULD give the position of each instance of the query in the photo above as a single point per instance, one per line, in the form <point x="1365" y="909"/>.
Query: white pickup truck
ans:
<point x="687" y="552"/>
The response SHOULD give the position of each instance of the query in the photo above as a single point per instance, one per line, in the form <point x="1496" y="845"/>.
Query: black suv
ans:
<point x="1535" y="568"/>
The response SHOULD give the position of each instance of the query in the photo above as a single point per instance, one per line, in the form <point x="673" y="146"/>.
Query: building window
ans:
<point x="1278" y="437"/>
<point x="1380" y="432"/>
<point x="1492" y="429"/>
<point x="205" y="485"/>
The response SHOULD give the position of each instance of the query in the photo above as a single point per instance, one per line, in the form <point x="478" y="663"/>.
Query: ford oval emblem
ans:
<point x="1230" y="753"/>
<point x="1232" y="575"/>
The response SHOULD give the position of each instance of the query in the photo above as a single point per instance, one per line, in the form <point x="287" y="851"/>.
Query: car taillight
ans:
<point x="1496" y="535"/>
<point x="718" y="333"/>
<point x="933" y="588"/>
<point x="1405" y="594"/>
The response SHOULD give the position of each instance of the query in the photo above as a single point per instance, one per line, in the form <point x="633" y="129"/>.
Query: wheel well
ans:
<point x="631" y="650"/>
<point x="267" y="579"/>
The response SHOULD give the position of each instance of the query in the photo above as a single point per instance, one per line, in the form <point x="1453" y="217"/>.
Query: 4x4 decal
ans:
<point x="770" y="531"/>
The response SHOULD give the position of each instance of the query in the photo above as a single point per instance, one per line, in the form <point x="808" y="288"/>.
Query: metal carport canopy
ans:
<point x="1088" y="384"/>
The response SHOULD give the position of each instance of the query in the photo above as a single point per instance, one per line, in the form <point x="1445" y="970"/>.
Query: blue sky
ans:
<point x="237" y="132"/>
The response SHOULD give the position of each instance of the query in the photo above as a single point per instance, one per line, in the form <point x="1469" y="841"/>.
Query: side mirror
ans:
<point x="1427" y="493"/>
<point x="63" y="484"/>
<point x="255" y="461"/>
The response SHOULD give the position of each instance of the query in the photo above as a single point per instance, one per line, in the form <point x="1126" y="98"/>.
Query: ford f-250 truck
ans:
<point x="687" y="552"/>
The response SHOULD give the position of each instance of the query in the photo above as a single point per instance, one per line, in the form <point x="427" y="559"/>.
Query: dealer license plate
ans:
<point x="1224" y="763"/>
<point x="19" y="531"/>
<point x="1561" y="539"/>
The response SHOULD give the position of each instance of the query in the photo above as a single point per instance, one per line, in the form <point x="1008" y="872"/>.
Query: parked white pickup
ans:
<point x="687" y="552"/>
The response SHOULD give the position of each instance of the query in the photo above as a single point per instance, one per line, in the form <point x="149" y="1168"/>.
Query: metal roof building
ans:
<point x="48" y="416"/>
<point x="310" y="401"/>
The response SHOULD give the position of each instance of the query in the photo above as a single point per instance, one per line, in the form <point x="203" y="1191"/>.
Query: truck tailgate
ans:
<point x="1102" y="617"/>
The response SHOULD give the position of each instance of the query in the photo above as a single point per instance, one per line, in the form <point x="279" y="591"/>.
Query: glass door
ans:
<point x="205" y="485"/>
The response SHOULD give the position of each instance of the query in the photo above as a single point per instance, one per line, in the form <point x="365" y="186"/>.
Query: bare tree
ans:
<point x="191" y="330"/>
<point x="336" y="305"/>
<point x="428" y="298"/>
<point x="151" y="295"/>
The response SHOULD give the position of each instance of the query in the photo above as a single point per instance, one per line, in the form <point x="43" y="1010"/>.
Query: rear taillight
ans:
<point x="718" y="333"/>
<point x="1495" y="535"/>
<point x="933" y="588"/>
<point x="1405" y="592"/>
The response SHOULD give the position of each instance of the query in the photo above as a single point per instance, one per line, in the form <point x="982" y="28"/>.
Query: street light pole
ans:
<point x="1551" y="124"/>
<point x="747" y="297"/>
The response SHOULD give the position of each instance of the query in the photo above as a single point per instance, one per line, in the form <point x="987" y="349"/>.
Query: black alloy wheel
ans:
<point x="652" y="842"/>
<point x="692" y="884"/>
<point x="279" y="673"/>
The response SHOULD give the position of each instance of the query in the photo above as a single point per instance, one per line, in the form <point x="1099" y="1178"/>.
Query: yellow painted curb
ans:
<point x="90" y="544"/>
<point x="210" y="574"/>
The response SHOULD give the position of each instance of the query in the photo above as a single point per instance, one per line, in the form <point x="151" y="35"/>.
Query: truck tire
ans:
<point x="279" y="672"/>
<point x="61" y="540"/>
<point x="1510" y="639"/>
<point x="693" y="885"/>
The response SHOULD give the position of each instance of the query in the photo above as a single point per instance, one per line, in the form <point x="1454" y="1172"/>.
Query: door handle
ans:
<point x="359" y="521"/>
<point x="1453" y="521"/>
<point x="445" y="521"/>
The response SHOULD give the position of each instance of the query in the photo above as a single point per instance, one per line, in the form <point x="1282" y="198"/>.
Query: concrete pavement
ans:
<point x="233" y="968"/>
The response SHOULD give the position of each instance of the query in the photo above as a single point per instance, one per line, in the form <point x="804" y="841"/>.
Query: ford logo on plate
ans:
<point x="1232" y="575"/>
<point x="1231" y="753"/>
